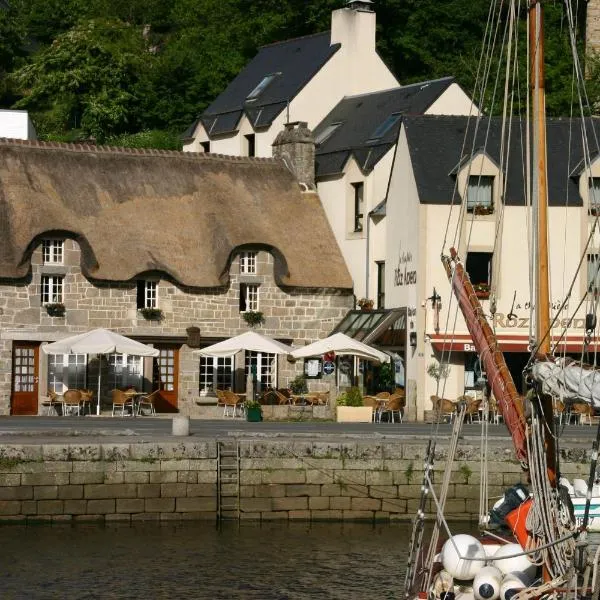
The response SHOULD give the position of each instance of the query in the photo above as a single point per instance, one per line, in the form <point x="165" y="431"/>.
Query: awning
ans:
<point x="509" y="342"/>
<point x="381" y="327"/>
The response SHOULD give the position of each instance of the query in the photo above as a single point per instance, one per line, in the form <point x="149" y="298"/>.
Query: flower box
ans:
<point x="482" y="294"/>
<point x="254" y="414"/>
<point x="481" y="209"/>
<point x="151" y="314"/>
<point x="354" y="414"/>
<point x="253" y="317"/>
<point x="56" y="309"/>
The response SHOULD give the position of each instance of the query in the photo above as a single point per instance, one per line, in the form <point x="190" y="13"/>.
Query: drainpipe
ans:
<point x="367" y="254"/>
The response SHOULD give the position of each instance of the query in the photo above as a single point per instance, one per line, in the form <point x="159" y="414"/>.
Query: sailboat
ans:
<point x="541" y="550"/>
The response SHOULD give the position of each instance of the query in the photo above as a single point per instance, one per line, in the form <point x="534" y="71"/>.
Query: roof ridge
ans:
<point x="83" y="148"/>
<point x="399" y="88"/>
<point x="301" y="37"/>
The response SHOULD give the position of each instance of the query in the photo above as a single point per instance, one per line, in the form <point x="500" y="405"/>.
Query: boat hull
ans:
<point x="579" y="509"/>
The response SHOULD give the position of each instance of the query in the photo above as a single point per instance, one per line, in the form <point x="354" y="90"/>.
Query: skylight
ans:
<point x="326" y="133"/>
<point x="384" y="127"/>
<point x="260" y="88"/>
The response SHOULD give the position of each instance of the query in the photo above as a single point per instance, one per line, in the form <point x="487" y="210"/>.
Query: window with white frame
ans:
<point x="480" y="193"/>
<point x="248" y="297"/>
<point x="147" y="294"/>
<point x="263" y="366"/>
<point x="52" y="289"/>
<point x="359" y="205"/>
<point x="125" y="371"/>
<point x="53" y="252"/>
<point x="248" y="263"/>
<point x="594" y="191"/>
<point x="67" y="371"/>
<point x="216" y="373"/>
<point x="593" y="273"/>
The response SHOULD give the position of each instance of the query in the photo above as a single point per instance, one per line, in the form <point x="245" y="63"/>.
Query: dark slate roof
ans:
<point x="361" y="115"/>
<point x="295" y="61"/>
<point x="435" y="144"/>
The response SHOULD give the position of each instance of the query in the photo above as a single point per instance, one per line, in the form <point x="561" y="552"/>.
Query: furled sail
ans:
<point x="568" y="380"/>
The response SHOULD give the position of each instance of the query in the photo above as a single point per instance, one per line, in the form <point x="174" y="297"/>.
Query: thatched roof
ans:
<point x="134" y="211"/>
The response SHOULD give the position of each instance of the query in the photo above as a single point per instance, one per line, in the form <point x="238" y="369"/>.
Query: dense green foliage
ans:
<point x="122" y="72"/>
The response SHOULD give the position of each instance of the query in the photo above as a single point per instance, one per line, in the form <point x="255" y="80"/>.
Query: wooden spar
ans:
<point x="540" y="214"/>
<point x="509" y="401"/>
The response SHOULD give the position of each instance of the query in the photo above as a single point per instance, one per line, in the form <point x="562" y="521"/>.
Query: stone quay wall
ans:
<point x="279" y="479"/>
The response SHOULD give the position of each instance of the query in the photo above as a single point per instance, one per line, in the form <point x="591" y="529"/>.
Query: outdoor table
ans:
<point x="134" y="401"/>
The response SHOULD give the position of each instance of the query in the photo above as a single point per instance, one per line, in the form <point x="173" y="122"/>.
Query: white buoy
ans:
<point x="512" y="583"/>
<point x="486" y="585"/>
<point x="516" y="564"/>
<point x="468" y="547"/>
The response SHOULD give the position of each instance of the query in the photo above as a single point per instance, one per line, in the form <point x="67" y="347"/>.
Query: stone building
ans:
<point x="172" y="249"/>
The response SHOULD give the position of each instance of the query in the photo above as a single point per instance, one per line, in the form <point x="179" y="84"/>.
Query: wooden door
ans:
<point x="25" y="361"/>
<point x="166" y="378"/>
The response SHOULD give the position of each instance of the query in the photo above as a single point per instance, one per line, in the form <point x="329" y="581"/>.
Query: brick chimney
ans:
<point x="295" y="145"/>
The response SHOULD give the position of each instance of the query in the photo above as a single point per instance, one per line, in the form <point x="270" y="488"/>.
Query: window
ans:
<point x="67" y="371"/>
<point x="380" y="284"/>
<point x="248" y="297"/>
<point x="384" y="127"/>
<point x="260" y="88"/>
<point x="480" y="194"/>
<point x="216" y="373"/>
<point x="479" y="268"/>
<point x="326" y="133"/>
<point x="594" y="199"/>
<point x="250" y="144"/>
<point x="165" y="370"/>
<point x="52" y="289"/>
<point x="125" y="370"/>
<point x="593" y="275"/>
<point x="472" y="370"/>
<point x="358" y="205"/>
<point x="248" y="263"/>
<point x="53" y="252"/>
<point x="147" y="294"/>
<point x="205" y="146"/>
<point x="264" y="366"/>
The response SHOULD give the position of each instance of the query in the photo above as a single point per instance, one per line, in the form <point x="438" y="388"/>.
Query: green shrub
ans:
<point x="352" y="397"/>
<point x="298" y="384"/>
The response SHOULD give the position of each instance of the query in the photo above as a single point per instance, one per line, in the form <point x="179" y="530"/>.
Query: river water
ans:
<point x="198" y="560"/>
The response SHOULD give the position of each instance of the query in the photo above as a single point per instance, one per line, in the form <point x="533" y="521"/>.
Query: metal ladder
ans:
<point x="228" y="480"/>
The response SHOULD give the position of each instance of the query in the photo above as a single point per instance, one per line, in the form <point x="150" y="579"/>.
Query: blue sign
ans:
<point x="328" y="367"/>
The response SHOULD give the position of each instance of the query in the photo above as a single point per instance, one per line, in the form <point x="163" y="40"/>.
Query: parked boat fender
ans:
<point x="486" y="585"/>
<point x="468" y="547"/>
<point x="512" y="583"/>
<point x="514" y="564"/>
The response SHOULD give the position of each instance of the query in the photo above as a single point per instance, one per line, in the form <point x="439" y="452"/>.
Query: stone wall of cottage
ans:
<point x="300" y="315"/>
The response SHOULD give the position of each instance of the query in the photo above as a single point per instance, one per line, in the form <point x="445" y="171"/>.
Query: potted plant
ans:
<point x="482" y="290"/>
<point x="151" y="313"/>
<point x="483" y="209"/>
<point x="253" y="411"/>
<point x="366" y="304"/>
<point x="438" y="370"/>
<point x="254" y="317"/>
<point x="298" y="385"/>
<point x="56" y="309"/>
<point x="350" y="408"/>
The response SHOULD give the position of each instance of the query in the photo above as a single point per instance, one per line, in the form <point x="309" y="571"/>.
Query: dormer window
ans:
<point x="326" y="133"/>
<point x="480" y="198"/>
<point x="147" y="296"/>
<point x="384" y="127"/>
<point x="53" y="252"/>
<point x="248" y="263"/>
<point x="594" y="196"/>
<point x="260" y="88"/>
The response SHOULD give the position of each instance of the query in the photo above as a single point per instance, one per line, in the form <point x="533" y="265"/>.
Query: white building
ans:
<point x="16" y="124"/>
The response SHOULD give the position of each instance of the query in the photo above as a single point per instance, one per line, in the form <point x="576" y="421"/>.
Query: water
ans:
<point x="276" y="561"/>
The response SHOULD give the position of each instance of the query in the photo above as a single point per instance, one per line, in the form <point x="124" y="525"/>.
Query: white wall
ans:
<point x="453" y="101"/>
<point x="16" y="124"/>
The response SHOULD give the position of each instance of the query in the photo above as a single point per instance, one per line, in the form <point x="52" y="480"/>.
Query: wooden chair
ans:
<point x="120" y="401"/>
<point x="49" y="403"/>
<point x="72" y="402"/>
<point x="148" y="402"/>
<point x="472" y="411"/>
<point x="322" y="398"/>
<point x="582" y="412"/>
<point x="443" y="408"/>
<point x="559" y="410"/>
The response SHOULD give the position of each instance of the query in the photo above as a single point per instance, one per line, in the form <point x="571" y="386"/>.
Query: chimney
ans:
<point x="295" y="146"/>
<point x="354" y="26"/>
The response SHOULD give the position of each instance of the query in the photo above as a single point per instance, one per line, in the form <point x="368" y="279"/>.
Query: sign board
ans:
<point x="312" y="367"/>
<point x="328" y="367"/>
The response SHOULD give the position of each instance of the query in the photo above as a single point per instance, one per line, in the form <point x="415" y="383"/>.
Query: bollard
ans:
<point x="181" y="425"/>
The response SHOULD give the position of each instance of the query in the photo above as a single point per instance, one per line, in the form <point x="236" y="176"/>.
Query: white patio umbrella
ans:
<point x="99" y="341"/>
<point x="341" y="344"/>
<point x="250" y="340"/>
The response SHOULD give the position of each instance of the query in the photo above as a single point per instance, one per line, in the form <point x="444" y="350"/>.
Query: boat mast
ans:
<point x="540" y="213"/>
